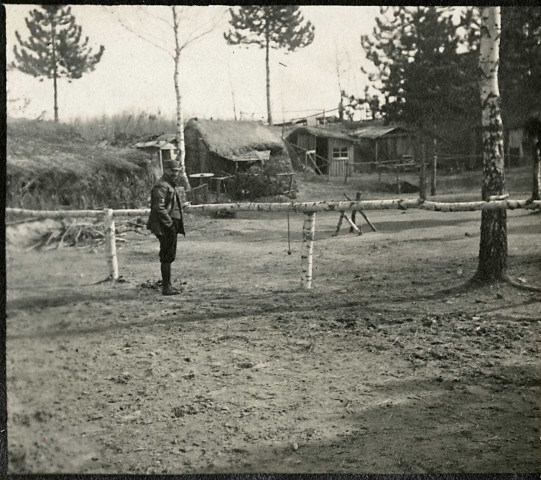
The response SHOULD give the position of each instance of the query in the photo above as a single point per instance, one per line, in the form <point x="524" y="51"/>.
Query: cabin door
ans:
<point x="339" y="160"/>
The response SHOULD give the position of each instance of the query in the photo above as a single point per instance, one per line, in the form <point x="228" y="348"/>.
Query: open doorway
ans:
<point x="322" y="154"/>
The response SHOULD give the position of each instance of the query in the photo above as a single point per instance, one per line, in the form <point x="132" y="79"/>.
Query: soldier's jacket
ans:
<point x="161" y="205"/>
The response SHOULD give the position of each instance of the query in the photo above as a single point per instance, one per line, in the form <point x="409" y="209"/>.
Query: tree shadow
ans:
<point x="419" y="426"/>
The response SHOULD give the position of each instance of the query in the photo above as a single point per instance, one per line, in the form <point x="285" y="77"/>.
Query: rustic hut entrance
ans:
<point x="160" y="149"/>
<point x="333" y="149"/>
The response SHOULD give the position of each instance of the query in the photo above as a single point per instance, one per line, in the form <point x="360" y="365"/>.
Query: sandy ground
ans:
<point x="376" y="369"/>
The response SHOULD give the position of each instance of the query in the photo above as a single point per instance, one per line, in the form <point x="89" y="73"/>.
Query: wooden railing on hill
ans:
<point x="308" y="208"/>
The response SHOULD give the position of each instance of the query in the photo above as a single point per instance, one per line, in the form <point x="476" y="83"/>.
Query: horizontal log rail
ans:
<point x="299" y="207"/>
<point x="308" y="208"/>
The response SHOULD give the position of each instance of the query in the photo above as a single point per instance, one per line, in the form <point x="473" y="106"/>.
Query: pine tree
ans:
<point x="55" y="48"/>
<point x="420" y="71"/>
<point x="269" y="26"/>
<point x="520" y="61"/>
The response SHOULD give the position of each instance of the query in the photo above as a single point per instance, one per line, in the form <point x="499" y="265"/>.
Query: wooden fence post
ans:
<point x="434" y="168"/>
<point x="110" y="243"/>
<point x="308" y="233"/>
<point x="422" y="178"/>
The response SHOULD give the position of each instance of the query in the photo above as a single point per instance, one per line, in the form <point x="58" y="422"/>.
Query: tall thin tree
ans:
<point x="269" y="26"/>
<point x="419" y="70"/>
<point x="188" y="25"/>
<point x="532" y="128"/>
<point x="493" y="243"/>
<point x="55" y="47"/>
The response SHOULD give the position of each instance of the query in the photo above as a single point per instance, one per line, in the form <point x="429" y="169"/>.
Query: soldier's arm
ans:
<point x="158" y="197"/>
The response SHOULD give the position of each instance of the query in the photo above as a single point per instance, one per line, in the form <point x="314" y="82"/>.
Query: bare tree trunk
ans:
<point x="434" y="177"/>
<point x="180" y="122"/>
<point x="422" y="173"/>
<point x="55" y="67"/>
<point x="533" y="130"/>
<point x="232" y="91"/>
<point x="493" y="242"/>
<point x="536" y="154"/>
<point x="341" y="102"/>
<point x="267" y="65"/>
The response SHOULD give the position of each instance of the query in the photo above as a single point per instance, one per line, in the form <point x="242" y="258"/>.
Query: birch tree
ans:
<point x="493" y="242"/>
<point x="173" y="29"/>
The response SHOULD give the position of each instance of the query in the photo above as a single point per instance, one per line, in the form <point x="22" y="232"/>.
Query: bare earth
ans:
<point x="376" y="369"/>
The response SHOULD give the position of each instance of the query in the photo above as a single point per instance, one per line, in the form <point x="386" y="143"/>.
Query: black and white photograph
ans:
<point x="272" y="239"/>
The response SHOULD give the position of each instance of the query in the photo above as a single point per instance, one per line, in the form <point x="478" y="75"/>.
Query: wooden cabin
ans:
<point x="383" y="144"/>
<point x="329" y="152"/>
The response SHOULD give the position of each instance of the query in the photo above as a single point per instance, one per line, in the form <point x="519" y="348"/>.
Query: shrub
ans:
<point x="258" y="181"/>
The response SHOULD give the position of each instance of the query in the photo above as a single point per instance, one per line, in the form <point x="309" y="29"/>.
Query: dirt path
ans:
<point x="376" y="369"/>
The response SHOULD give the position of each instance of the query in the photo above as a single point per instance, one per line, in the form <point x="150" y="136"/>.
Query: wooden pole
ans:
<point x="368" y="221"/>
<point x="354" y="227"/>
<point x="379" y="168"/>
<point x="342" y="215"/>
<point x="308" y="233"/>
<point x="536" y="161"/>
<point x="422" y="177"/>
<point x="434" y="168"/>
<point x="110" y="243"/>
<point x="329" y="165"/>
<point x="354" y="212"/>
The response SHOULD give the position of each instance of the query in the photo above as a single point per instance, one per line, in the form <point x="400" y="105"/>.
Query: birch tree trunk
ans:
<point x="267" y="66"/>
<point x="180" y="121"/>
<point x="307" y="248"/>
<point x="110" y="244"/>
<point x="55" y="68"/>
<point x="493" y="242"/>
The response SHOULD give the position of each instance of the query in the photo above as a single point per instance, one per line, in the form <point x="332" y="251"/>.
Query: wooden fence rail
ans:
<point x="308" y="208"/>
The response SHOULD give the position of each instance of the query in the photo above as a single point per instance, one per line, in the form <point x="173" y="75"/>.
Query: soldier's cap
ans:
<point x="172" y="164"/>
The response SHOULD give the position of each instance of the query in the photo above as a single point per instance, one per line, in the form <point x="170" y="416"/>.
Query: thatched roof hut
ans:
<point x="221" y="146"/>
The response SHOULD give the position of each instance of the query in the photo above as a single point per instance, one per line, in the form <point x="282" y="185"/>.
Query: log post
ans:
<point x="308" y="233"/>
<point x="342" y="215"/>
<point x="354" y="212"/>
<point x="422" y="179"/>
<point x="161" y="160"/>
<point x="536" y="160"/>
<point x="434" y="168"/>
<point x="376" y="158"/>
<point x="110" y="244"/>
<point x="353" y="227"/>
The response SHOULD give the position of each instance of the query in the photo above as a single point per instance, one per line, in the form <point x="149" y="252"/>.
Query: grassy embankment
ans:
<point x="84" y="164"/>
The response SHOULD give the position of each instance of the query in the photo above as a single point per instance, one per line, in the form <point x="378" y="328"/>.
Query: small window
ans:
<point x="340" y="152"/>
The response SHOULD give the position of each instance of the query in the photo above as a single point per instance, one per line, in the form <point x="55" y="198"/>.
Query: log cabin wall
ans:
<point x="306" y="141"/>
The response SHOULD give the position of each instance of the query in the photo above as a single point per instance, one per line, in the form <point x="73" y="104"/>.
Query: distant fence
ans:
<point x="308" y="208"/>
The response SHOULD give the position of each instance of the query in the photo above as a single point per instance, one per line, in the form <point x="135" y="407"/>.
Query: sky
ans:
<point x="217" y="80"/>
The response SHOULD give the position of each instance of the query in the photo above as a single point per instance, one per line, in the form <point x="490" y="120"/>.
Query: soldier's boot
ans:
<point x="167" y="288"/>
